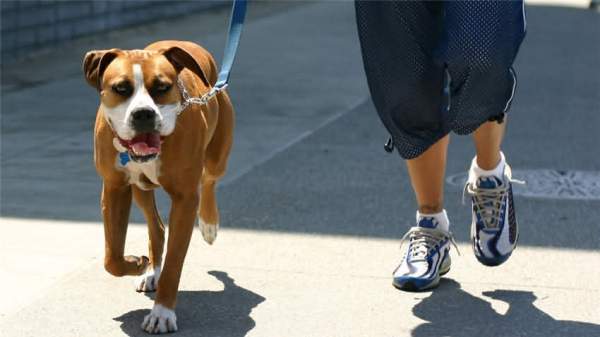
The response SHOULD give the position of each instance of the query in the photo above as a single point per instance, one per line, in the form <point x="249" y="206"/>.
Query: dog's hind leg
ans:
<point x="116" y="204"/>
<point x="156" y="232"/>
<point x="215" y="165"/>
<point x="208" y="214"/>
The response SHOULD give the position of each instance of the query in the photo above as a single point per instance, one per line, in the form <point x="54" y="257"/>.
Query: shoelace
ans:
<point x="488" y="201"/>
<point x="424" y="240"/>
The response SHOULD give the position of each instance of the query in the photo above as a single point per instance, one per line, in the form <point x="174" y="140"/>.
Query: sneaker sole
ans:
<point x="413" y="287"/>
<point x="494" y="261"/>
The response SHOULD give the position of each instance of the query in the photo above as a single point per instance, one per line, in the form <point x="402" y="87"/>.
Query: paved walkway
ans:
<point x="312" y="207"/>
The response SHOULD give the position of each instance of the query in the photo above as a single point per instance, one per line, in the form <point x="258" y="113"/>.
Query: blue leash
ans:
<point x="238" y="12"/>
<point x="236" y="22"/>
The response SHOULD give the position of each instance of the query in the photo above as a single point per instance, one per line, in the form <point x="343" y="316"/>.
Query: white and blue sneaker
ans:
<point x="494" y="230"/>
<point x="428" y="254"/>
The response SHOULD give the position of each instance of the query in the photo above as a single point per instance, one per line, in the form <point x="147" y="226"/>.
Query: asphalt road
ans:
<point x="312" y="207"/>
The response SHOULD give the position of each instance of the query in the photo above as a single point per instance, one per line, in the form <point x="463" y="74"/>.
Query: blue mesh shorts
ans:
<point x="436" y="67"/>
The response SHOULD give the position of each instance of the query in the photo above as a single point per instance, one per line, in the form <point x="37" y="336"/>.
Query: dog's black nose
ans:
<point x="143" y="120"/>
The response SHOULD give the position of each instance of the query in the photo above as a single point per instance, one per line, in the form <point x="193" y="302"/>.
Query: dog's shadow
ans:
<point x="205" y="313"/>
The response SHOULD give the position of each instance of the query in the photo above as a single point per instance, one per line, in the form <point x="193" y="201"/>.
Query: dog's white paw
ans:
<point x="160" y="320"/>
<point x="209" y="231"/>
<point x="148" y="281"/>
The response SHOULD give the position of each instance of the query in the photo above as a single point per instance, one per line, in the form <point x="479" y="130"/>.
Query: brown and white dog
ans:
<point x="183" y="153"/>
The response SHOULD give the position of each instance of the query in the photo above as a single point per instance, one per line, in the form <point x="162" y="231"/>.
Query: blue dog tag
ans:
<point x="124" y="158"/>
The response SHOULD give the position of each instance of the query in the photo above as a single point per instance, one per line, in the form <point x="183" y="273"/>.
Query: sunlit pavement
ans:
<point x="274" y="284"/>
<point x="312" y="208"/>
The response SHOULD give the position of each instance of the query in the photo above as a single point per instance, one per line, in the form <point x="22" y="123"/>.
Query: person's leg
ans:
<point x="480" y="44"/>
<point x="407" y="85"/>
<point x="488" y="138"/>
<point x="427" y="177"/>
<point x="427" y="258"/>
<point x="407" y="82"/>
<point x="494" y="226"/>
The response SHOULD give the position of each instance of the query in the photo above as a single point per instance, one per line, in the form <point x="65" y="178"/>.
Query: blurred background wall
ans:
<point x="28" y="25"/>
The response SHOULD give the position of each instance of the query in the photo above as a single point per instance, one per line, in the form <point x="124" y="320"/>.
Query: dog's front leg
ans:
<point x="156" y="232"/>
<point x="116" y="204"/>
<point x="162" y="318"/>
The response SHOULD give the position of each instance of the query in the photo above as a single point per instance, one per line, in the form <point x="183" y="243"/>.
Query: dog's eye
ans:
<point x="160" y="88"/>
<point x="123" y="88"/>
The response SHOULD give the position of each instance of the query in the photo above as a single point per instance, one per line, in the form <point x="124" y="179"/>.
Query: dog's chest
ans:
<point x="143" y="175"/>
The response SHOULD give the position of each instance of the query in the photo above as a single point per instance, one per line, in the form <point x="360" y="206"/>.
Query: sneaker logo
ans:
<point x="428" y="222"/>
<point x="489" y="182"/>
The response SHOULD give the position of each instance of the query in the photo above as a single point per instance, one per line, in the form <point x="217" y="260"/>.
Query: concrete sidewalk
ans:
<point x="268" y="283"/>
<point x="312" y="208"/>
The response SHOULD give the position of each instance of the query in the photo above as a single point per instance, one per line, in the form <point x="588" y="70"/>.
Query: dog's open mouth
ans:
<point x="143" y="147"/>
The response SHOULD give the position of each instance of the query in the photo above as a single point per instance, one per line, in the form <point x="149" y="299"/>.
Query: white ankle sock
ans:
<point x="475" y="172"/>
<point x="441" y="218"/>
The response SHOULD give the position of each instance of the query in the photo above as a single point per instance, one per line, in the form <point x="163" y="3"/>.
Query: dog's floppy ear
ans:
<point x="95" y="63"/>
<point x="180" y="59"/>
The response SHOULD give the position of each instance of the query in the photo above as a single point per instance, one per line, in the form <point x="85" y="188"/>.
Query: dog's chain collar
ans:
<point x="188" y="100"/>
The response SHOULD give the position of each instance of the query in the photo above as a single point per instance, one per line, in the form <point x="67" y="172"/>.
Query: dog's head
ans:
<point x="139" y="93"/>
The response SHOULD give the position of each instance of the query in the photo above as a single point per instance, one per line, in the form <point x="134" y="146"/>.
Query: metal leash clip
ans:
<point x="188" y="100"/>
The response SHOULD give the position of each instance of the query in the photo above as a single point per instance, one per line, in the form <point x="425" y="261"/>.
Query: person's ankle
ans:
<point x="431" y="208"/>
<point x="488" y="162"/>
<point x="476" y="171"/>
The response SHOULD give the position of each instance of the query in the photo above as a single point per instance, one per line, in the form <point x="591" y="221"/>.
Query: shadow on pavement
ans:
<point x="205" y="313"/>
<point x="451" y="311"/>
<point x="337" y="180"/>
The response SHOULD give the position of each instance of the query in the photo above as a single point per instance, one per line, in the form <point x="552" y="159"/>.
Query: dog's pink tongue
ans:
<point x="146" y="144"/>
